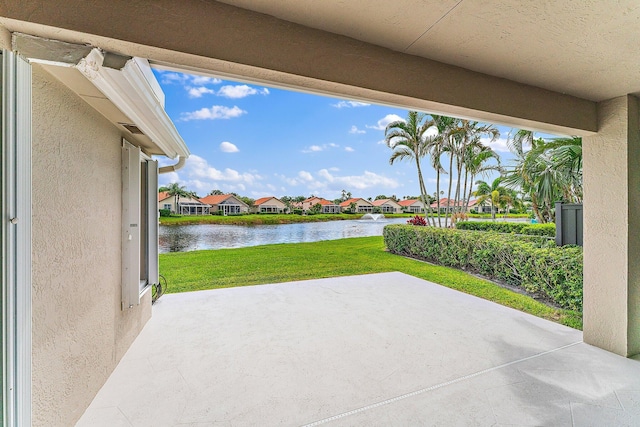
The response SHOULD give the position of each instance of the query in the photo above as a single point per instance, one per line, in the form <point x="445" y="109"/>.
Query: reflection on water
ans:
<point x="181" y="238"/>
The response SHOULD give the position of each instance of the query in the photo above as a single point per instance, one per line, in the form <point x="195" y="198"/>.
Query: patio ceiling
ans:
<point x="587" y="49"/>
<point x="536" y="65"/>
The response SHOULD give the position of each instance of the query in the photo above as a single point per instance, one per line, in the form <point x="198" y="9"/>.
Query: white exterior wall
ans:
<point x="79" y="330"/>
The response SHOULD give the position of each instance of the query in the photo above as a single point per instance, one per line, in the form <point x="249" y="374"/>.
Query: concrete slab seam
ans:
<point x="434" y="387"/>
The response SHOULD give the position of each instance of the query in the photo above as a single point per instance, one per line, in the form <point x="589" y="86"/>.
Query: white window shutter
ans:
<point x="152" y="223"/>
<point x="130" y="225"/>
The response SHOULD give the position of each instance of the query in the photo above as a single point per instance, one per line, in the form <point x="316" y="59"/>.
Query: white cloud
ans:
<point x="383" y="122"/>
<point x="240" y="91"/>
<point x="349" y="149"/>
<point x="499" y="144"/>
<point x="203" y="80"/>
<point x="354" y="130"/>
<point x="227" y="147"/>
<point x="334" y="169"/>
<point x="168" y="77"/>
<point x="213" y="113"/>
<point x="197" y="175"/>
<point x="359" y="182"/>
<point x="306" y="176"/>
<point x="350" y="104"/>
<point x="318" y="148"/>
<point x="197" y="92"/>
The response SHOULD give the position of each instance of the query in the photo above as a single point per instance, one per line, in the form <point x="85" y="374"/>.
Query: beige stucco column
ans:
<point x="612" y="228"/>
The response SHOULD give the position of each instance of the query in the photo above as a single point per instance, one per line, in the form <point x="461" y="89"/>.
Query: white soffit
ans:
<point x="131" y="91"/>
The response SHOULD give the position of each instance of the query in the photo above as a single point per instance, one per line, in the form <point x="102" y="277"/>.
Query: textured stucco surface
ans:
<point x="247" y="45"/>
<point x="79" y="331"/>
<point x="611" y="239"/>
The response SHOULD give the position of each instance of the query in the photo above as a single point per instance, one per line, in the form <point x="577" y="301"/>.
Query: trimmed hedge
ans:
<point x="533" y="263"/>
<point x="548" y="230"/>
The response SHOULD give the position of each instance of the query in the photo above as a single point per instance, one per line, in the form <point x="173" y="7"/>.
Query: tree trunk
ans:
<point x="446" y="215"/>
<point x="423" y="193"/>
<point x="466" y="206"/>
<point x="438" y="195"/>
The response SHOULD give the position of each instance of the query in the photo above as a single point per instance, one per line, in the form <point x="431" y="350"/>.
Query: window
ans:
<point x="139" y="224"/>
<point x="167" y="206"/>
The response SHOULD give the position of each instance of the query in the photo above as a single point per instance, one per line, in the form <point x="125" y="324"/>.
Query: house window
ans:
<point x="167" y="206"/>
<point x="139" y="224"/>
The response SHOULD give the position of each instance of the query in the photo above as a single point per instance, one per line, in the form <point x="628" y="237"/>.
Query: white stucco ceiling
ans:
<point x="586" y="48"/>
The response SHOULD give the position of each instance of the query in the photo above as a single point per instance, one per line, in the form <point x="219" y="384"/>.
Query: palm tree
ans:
<point x="176" y="190"/>
<point x="440" y="145"/>
<point x="408" y="141"/>
<point x="477" y="164"/>
<point x="493" y="192"/>
<point x="549" y="171"/>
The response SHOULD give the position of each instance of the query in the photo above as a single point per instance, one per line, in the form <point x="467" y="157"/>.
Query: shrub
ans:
<point x="548" y="230"/>
<point x="533" y="263"/>
<point x="165" y="212"/>
<point x="540" y="230"/>
<point x="297" y="211"/>
<point x="417" y="220"/>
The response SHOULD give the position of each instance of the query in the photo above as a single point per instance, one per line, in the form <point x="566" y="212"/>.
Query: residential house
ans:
<point x="269" y="205"/>
<point x="78" y="126"/>
<point x="186" y="205"/>
<point x="227" y="204"/>
<point x="327" y="206"/>
<point x="362" y="205"/>
<point x="412" y="205"/>
<point x="387" y="205"/>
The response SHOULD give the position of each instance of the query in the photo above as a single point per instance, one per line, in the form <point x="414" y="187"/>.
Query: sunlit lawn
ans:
<point x="223" y="268"/>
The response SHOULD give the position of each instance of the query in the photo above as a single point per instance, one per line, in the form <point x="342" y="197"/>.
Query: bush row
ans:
<point x="532" y="262"/>
<point x="509" y="227"/>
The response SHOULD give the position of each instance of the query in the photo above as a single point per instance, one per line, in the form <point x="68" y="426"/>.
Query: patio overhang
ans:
<point x="255" y="47"/>
<point x="122" y="88"/>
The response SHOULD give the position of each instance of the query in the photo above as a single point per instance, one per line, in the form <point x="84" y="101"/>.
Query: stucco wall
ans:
<point x="79" y="330"/>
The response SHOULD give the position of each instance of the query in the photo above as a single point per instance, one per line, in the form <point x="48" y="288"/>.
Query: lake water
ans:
<point x="182" y="238"/>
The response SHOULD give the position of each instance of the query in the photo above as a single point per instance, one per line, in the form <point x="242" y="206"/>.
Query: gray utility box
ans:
<point x="568" y="224"/>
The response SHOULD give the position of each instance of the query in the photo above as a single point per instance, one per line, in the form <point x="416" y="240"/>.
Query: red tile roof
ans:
<point x="408" y="202"/>
<point x="217" y="199"/>
<point x="346" y="203"/>
<point x="163" y="195"/>
<point x="263" y="199"/>
<point x="381" y="202"/>
<point x="325" y="202"/>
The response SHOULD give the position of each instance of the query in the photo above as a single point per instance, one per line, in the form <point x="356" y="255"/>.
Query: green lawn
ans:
<point x="223" y="268"/>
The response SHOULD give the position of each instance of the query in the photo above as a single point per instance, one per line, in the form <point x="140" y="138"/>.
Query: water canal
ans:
<point x="182" y="238"/>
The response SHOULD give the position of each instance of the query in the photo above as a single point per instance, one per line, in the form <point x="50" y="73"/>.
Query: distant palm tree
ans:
<point x="176" y="190"/>
<point x="477" y="163"/>
<point x="408" y="141"/>
<point x="493" y="192"/>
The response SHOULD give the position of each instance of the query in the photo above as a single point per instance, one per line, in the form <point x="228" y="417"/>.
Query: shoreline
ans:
<point x="275" y="219"/>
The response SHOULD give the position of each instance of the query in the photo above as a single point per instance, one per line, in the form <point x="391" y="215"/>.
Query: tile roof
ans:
<point x="408" y="202"/>
<point x="214" y="200"/>
<point x="381" y="202"/>
<point x="346" y="203"/>
<point x="264" y="199"/>
<point x="325" y="202"/>
<point x="163" y="195"/>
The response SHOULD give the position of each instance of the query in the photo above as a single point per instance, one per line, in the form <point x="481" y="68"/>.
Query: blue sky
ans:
<point x="258" y="141"/>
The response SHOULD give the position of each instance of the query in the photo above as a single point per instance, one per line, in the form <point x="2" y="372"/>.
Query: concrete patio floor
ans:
<point x="376" y="350"/>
